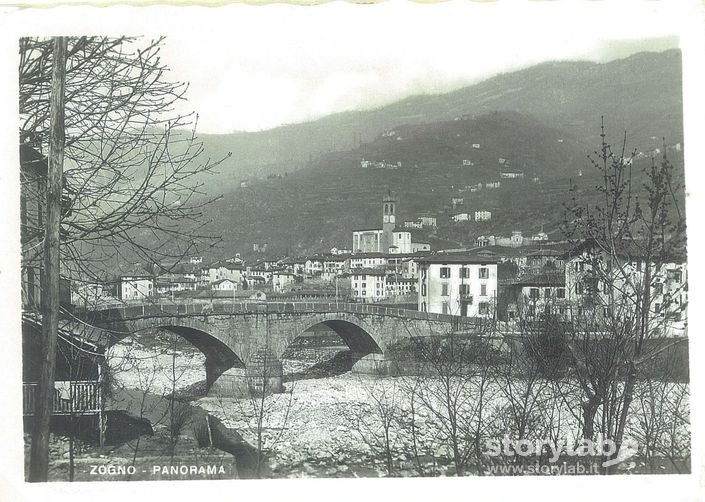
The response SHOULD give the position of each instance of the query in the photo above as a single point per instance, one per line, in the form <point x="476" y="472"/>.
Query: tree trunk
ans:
<point x="589" y="411"/>
<point x="39" y="454"/>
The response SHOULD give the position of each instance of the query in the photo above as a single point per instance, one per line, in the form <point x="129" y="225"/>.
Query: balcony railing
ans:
<point x="71" y="397"/>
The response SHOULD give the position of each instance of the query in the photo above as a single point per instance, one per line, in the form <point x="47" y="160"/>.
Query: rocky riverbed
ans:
<point x="328" y="422"/>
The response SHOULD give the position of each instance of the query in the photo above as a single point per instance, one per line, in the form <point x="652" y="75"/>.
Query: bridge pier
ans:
<point x="258" y="377"/>
<point x="371" y="364"/>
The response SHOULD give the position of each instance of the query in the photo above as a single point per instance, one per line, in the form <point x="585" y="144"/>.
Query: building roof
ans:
<point x="556" y="279"/>
<point x="367" y="230"/>
<point x="458" y="258"/>
<point x="395" y="278"/>
<point x="552" y="250"/>
<point x="367" y="255"/>
<point x="220" y="281"/>
<point x="624" y="248"/>
<point x="293" y="260"/>
<point x="367" y="271"/>
<point x="337" y="257"/>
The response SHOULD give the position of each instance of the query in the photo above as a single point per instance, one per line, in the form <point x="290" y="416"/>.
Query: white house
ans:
<point x="368" y="285"/>
<point x="334" y="266"/>
<point x="483" y="215"/>
<point x="259" y="273"/>
<point x="591" y="293"/>
<point x="457" y="284"/>
<point x="281" y="280"/>
<point x="223" y="270"/>
<point x="540" y="293"/>
<point x="456" y="218"/>
<point x="400" y="286"/>
<point x="485" y="240"/>
<point x="511" y="175"/>
<point x="224" y="285"/>
<point x="136" y="287"/>
<point x="418" y="247"/>
<point x="368" y="260"/>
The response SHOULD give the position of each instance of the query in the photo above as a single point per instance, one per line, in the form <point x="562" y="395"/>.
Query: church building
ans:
<point x="386" y="240"/>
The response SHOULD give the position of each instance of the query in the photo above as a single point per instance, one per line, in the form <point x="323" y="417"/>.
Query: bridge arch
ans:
<point x="359" y="336"/>
<point x="220" y="356"/>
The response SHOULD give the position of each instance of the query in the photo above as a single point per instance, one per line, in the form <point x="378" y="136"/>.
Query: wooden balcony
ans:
<point x="70" y="397"/>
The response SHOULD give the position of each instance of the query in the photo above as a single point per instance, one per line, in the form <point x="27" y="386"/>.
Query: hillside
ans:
<point x="485" y="145"/>
<point x="641" y="93"/>
<point x="316" y="208"/>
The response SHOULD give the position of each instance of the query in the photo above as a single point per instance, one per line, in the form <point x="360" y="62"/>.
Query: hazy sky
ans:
<point x="254" y="68"/>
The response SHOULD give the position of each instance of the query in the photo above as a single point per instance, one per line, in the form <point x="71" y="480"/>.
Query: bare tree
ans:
<point x="660" y="421"/>
<point x="378" y="418"/>
<point x="130" y="188"/>
<point x="624" y="244"/>
<point x="134" y="166"/>
<point x="524" y="381"/>
<point x="456" y="388"/>
<point x="263" y="407"/>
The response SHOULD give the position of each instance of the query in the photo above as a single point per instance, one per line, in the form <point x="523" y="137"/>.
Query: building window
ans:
<point x="423" y="290"/>
<point x="484" y="273"/>
<point x="444" y="306"/>
<point x="465" y="273"/>
<point x="560" y="293"/>
<point x="579" y="288"/>
<point x="465" y="289"/>
<point x="547" y="292"/>
<point x="483" y="308"/>
<point x="534" y="293"/>
<point x="445" y="272"/>
<point x="423" y="306"/>
<point x="444" y="289"/>
<point x="674" y="275"/>
<point x="483" y="289"/>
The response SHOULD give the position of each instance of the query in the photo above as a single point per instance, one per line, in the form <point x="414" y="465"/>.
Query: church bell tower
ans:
<point x="388" y="222"/>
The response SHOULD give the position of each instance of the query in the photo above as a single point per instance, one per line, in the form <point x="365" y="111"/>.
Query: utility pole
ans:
<point x="39" y="455"/>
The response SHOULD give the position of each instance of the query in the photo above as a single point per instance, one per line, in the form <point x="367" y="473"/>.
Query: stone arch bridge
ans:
<point x="244" y="342"/>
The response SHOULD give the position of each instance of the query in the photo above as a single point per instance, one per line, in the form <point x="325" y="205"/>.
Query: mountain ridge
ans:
<point x="562" y="93"/>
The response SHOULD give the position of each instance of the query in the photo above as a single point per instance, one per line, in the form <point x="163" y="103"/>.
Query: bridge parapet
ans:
<point x="117" y="313"/>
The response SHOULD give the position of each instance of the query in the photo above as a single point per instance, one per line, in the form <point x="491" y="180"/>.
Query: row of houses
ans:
<point x="550" y="279"/>
<point x="580" y="285"/>
<point x="482" y="215"/>
<point x="516" y="239"/>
